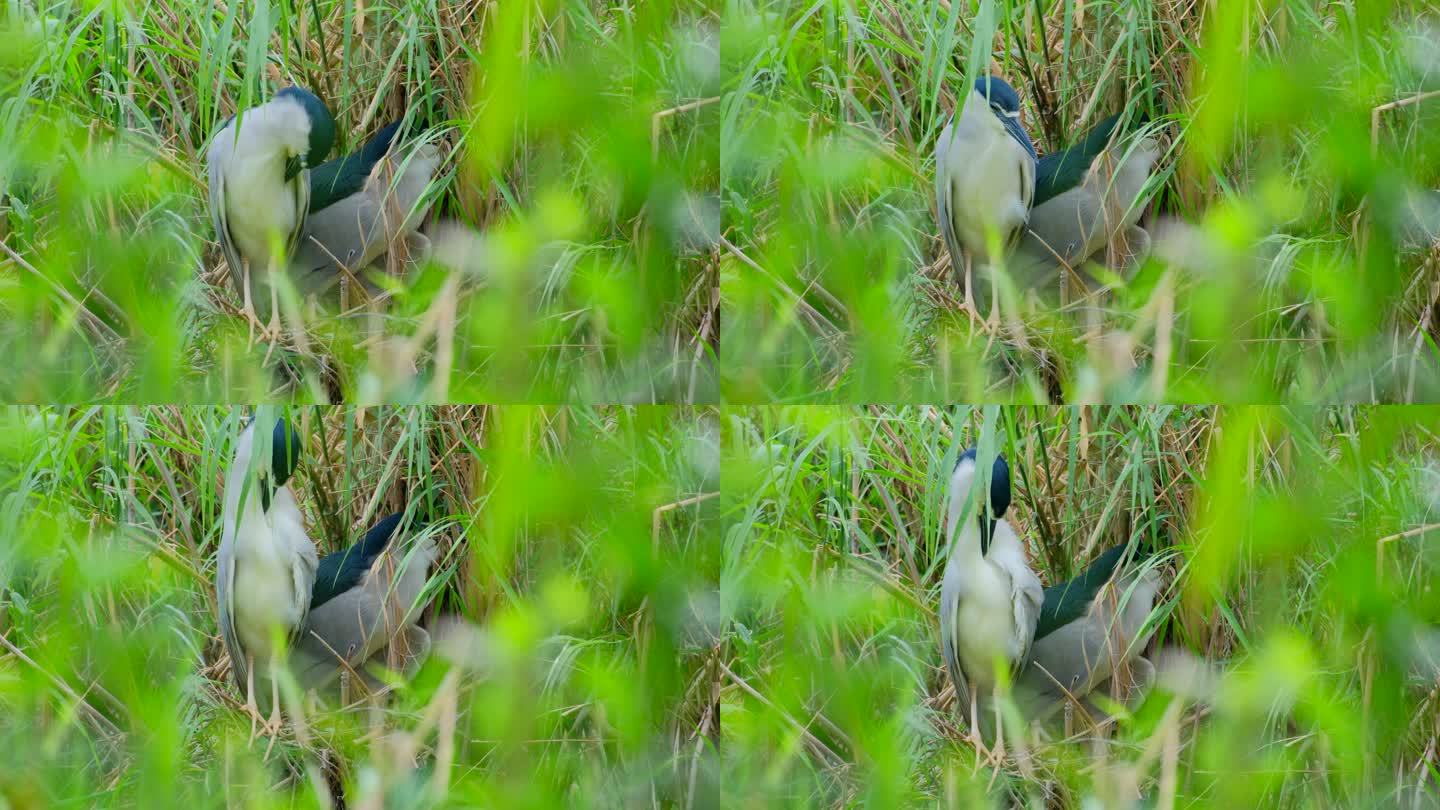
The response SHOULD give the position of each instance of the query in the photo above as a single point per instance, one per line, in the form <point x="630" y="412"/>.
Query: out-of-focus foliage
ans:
<point x="581" y="170"/>
<point x="575" y="610"/>
<point x="1293" y="633"/>
<point x="1296" y="247"/>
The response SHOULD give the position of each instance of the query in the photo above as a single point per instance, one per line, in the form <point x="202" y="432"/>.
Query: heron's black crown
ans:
<point x="1005" y="102"/>
<point x="1000" y="93"/>
<point x="999" y="482"/>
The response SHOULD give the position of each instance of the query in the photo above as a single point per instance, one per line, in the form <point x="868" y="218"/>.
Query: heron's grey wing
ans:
<point x="944" y="202"/>
<point x="950" y="593"/>
<point x="303" y="573"/>
<point x="338" y="634"/>
<point x="1065" y="661"/>
<point x="1027" y="194"/>
<point x="356" y="230"/>
<point x="1078" y="656"/>
<point x="219" y="153"/>
<point x="225" y="598"/>
<point x="350" y="628"/>
<point x="300" y="189"/>
<point x="1028" y="598"/>
<point x="1065" y="228"/>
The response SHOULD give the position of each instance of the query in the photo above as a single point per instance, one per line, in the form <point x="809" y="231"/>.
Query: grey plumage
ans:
<point x="362" y="623"/>
<point x="1081" y="655"/>
<point x="1101" y="208"/>
<point x="358" y="230"/>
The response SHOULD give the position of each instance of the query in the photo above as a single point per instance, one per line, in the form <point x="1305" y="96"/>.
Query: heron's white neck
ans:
<point x="966" y="546"/>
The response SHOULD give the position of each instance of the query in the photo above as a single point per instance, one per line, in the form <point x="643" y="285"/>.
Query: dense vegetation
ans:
<point x="580" y="172"/>
<point x="1299" y="611"/>
<point x="1295" y="232"/>
<point x="574" y="611"/>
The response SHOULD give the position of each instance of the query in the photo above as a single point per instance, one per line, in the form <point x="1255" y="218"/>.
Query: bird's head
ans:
<point x="1002" y="97"/>
<point x="1005" y="104"/>
<point x="284" y="458"/>
<point x="319" y="128"/>
<point x="994" y="507"/>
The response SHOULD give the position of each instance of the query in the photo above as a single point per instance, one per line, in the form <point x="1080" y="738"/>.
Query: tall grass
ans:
<point x="1299" y="549"/>
<point x="579" y="145"/>
<point x="1295" y="254"/>
<point x="573" y="603"/>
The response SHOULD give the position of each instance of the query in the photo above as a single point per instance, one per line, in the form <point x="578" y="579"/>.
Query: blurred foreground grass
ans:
<point x="1301" y="605"/>
<point x="578" y="585"/>
<point x="581" y="145"/>
<point x="1297" y="219"/>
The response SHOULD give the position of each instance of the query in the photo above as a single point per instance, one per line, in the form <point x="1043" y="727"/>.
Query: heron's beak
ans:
<point x="266" y="493"/>
<point x="294" y="166"/>
<point x="987" y="531"/>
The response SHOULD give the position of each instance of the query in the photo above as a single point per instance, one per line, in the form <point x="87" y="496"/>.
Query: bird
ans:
<point x="266" y="566"/>
<point x="260" y="187"/>
<point x="361" y="206"/>
<point x="990" y="600"/>
<point x="365" y="601"/>
<point x="1084" y="632"/>
<point x="984" y="179"/>
<point x="1087" y="197"/>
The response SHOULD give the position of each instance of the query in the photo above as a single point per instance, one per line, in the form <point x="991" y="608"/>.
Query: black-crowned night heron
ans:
<point x="361" y="206"/>
<point x="1088" y="198"/>
<point x="266" y="566"/>
<point x="1086" y="631"/>
<point x="984" y="180"/>
<point x="990" y="600"/>
<point x="260" y="189"/>
<point x="365" y="603"/>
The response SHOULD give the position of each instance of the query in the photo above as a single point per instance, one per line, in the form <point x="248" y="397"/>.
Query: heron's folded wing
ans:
<point x="944" y="202"/>
<point x="225" y="598"/>
<point x="1082" y="653"/>
<point x="351" y="233"/>
<point x="219" y="153"/>
<point x="950" y="593"/>
<point x="350" y="628"/>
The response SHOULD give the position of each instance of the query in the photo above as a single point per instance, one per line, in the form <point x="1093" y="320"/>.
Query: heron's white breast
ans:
<point x="259" y="205"/>
<point x="986" y="624"/>
<point x="986" y="179"/>
<point x="266" y="550"/>
<point x="258" y="201"/>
